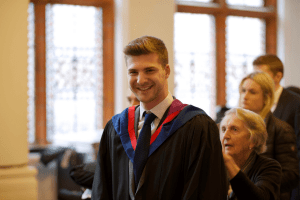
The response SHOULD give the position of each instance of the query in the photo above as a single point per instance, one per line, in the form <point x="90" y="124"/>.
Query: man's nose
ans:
<point x="141" y="78"/>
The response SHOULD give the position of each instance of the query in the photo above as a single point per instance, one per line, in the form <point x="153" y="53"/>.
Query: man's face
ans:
<point x="148" y="80"/>
<point x="264" y="68"/>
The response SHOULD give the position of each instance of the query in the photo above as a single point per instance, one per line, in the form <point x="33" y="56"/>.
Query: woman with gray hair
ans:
<point x="243" y="136"/>
<point x="257" y="94"/>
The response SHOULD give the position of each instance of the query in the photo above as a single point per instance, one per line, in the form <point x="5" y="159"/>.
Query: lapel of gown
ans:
<point x="131" y="174"/>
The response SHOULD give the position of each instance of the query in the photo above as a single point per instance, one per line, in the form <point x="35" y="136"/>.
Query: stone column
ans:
<point x="17" y="180"/>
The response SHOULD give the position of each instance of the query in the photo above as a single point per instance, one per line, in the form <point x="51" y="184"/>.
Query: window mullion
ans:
<point x="271" y="29"/>
<point x="40" y="74"/>
<point x="108" y="63"/>
<point x="220" y="59"/>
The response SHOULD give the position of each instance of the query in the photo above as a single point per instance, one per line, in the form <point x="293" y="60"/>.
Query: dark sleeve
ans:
<point x="286" y="155"/>
<point x="297" y="127"/>
<point x="265" y="183"/>
<point x="205" y="174"/>
<point x="102" y="179"/>
<point x="83" y="176"/>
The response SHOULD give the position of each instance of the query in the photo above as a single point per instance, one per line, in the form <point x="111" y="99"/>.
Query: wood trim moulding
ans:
<point x="216" y="9"/>
<point x="96" y="3"/>
<point x="271" y="36"/>
<point x="40" y="74"/>
<point x="108" y="63"/>
<point x="221" y="60"/>
<point x="247" y="11"/>
<point x="209" y="9"/>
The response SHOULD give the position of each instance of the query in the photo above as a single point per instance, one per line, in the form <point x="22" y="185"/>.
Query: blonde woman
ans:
<point x="257" y="94"/>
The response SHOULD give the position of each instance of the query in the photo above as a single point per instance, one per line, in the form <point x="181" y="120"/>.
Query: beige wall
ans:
<point x="13" y="82"/>
<point x="289" y="40"/>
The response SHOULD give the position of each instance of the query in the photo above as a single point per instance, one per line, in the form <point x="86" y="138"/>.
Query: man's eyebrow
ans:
<point x="150" y="67"/>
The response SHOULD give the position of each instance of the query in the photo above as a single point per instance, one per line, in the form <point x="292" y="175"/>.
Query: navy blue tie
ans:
<point x="142" y="148"/>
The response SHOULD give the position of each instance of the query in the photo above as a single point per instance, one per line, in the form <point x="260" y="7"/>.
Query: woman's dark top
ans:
<point x="281" y="146"/>
<point x="262" y="181"/>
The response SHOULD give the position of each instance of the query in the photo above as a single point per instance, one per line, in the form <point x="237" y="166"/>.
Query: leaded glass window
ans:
<point x="31" y="78"/>
<point x="195" y="60"/>
<point x="245" y="40"/>
<point x="74" y="70"/>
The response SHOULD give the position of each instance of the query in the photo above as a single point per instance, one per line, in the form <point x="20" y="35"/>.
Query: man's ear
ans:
<point x="168" y="70"/>
<point x="278" y="77"/>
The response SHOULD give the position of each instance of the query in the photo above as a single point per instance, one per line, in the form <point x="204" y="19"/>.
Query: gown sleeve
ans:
<point x="205" y="171"/>
<point x="264" y="184"/>
<point x="103" y="171"/>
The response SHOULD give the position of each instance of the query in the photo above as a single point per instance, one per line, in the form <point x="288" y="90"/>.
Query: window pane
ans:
<point x="31" y="75"/>
<point x="74" y="71"/>
<point x="256" y="3"/>
<point x="245" y="40"/>
<point x="195" y="60"/>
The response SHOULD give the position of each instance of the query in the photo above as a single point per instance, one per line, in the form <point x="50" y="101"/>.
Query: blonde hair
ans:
<point x="267" y="85"/>
<point x="255" y="125"/>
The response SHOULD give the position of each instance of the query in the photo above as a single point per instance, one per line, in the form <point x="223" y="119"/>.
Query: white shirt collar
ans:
<point x="159" y="109"/>
<point x="276" y="97"/>
<point x="277" y="94"/>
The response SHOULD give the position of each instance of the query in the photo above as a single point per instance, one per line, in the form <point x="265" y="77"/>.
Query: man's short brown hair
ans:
<point x="272" y="61"/>
<point x="147" y="45"/>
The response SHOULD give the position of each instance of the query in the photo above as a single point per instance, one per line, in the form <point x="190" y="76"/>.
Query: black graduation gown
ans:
<point x="187" y="165"/>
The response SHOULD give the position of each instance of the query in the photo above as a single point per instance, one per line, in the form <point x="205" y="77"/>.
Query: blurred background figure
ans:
<point x="257" y="94"/>
<point x="294" y="89"/>
<point x="132" y="99"/>
<point x="286" y="104"/>
<point x="243" y="136"/>
<point x="220" y="113"/>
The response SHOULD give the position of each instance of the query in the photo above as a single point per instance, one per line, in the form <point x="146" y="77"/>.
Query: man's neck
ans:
<point x="152" y="104"/>
<point x="277" y="87"/>
<point x="149" y="106"/>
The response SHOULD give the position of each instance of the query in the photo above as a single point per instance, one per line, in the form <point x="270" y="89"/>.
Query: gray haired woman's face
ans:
<point x="251" y="96"/>
<point x="235" y="137"/>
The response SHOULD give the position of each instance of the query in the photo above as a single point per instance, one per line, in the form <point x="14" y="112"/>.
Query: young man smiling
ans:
<point x="179" y="157"/>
